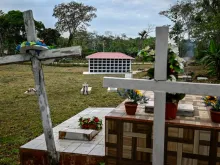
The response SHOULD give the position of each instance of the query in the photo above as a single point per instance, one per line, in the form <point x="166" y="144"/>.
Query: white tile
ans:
<point x="99" y="150"/>
<point x="72" y="147"/>
<point x="62" y="144"/>
<point x="85" y="148"/>
<point x="33" y="144"/>
<point x="42" y="146"/>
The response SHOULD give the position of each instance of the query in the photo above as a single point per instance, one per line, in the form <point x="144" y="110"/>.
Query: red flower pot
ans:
<point x="131" y="108"/>
<point x="171" y="110"/>
<point x="215" y="116"/>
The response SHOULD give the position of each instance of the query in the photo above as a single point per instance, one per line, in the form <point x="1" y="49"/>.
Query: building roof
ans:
<point x="109" y="55"/>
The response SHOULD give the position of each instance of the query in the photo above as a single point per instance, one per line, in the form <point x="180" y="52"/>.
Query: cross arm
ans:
<point x="46" y="54"/>
<point x="165" y="86"/>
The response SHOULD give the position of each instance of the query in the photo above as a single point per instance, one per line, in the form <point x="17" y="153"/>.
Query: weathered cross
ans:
<point x="36" y="58"/>
<point x="160" y="86"/>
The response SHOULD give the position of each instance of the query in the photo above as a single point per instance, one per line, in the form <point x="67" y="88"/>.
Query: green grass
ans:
<point x="19" y="113"/>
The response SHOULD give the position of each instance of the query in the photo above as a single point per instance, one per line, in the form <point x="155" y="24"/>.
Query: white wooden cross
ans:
<point x="160" y="86"/>
<point x="39" y="79"/>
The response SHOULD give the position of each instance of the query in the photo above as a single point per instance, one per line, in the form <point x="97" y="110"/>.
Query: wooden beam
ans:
<point x="167" y="86"/>
<point x="159" y="128"/>
<point x="41" y="91"/>
<point x="44" y="55"/>
<point x="14" y="59"/>
<point x="160" y="74"/>
<point x="59" y="53"/>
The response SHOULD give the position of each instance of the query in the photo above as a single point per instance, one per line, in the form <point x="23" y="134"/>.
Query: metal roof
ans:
<point x="109" y="55"/>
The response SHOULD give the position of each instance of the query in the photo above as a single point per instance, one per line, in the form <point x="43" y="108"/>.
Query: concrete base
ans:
<point x="186" y="110"/>
<point x="89" y="90"/>
<point x="77" y="134"/>
<point x="112" y="89"/>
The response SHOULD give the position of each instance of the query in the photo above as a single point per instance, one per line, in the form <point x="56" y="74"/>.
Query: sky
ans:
<point x="117" y="16"/>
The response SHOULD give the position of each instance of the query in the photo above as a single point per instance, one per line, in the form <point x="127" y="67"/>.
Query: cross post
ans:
<point x="160" y="86"/>
<point x="35" y="59"/>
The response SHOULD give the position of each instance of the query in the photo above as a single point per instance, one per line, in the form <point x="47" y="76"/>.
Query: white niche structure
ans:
<point x="109" y="63"/>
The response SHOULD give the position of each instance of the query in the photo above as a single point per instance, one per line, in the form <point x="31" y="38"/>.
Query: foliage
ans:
<point x="12" y="30"/>
<point x="212" y="59"/>
<point x="90" y="123"/>
<point x="133" y="95"/>
<point x="197" y="18"/>
<point x="175" y="65"/>
<point x="50" y="36"/>
<point x="73" y="16"/>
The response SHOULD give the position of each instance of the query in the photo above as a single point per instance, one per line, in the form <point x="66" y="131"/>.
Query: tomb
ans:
<point x="109" y="63"/>
<point x="79" y="152"/>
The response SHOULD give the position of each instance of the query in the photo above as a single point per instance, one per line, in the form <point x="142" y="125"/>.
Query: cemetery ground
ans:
<point x="19" y="113"/>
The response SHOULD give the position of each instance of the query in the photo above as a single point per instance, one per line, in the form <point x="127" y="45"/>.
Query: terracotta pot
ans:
<point x="215" y="116"/>
<point x="171" y="110"/>
<point x="131" y="108"/>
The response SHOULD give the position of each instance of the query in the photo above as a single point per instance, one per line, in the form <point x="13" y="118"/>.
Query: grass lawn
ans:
<point x="19" y="113"/>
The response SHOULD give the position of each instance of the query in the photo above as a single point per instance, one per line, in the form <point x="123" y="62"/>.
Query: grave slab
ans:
<point x="77" y="134"/>
<point x="183" y="109"/>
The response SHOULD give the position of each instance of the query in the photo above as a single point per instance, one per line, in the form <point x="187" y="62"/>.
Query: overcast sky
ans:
<point x="118" y="16"/>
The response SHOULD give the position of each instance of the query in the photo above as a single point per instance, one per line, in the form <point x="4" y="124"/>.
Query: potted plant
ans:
<point x="134" y="96"/>
<point x="90" y="123"/>
<point x="213" y="104"/>
<point x="175" y="65"/>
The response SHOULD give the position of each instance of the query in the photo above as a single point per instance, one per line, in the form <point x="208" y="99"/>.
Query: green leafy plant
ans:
<point x="175" y="65"/>
<point x="90" y="123"/>
<point x="134" y="96"/>
<point x="212" y="59"/>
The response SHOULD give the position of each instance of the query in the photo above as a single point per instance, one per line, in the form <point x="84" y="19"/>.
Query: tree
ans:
<point x="72" y="17"/>
<point x="212" y="59"/>
<point x="12" y="30"/>
<point x="50" y="36"/>
<point x="144" y="34"/>
<point x="181" y="14"/>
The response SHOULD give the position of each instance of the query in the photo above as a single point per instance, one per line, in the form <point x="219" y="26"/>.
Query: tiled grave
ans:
<point x="188" y="140"/>
<point x="71" y="151"/>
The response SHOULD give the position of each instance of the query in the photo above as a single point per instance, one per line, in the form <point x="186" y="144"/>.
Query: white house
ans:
<point x="109" y="63"/>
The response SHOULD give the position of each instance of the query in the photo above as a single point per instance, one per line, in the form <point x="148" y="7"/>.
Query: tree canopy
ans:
<point x="12" y="30"/>
<point x="73" y="16"/>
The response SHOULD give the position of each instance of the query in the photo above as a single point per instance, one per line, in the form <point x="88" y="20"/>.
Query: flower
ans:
<point x="88" y="123"/>
<point x="96" y="119"/>
<point x="133" y="95"/>
<point x="172" y="78"/>
<point x="152" y="52"/>
<point x="147" y="48"/>
<point x="210" y="100"/>
<point x="138" y="92"/>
